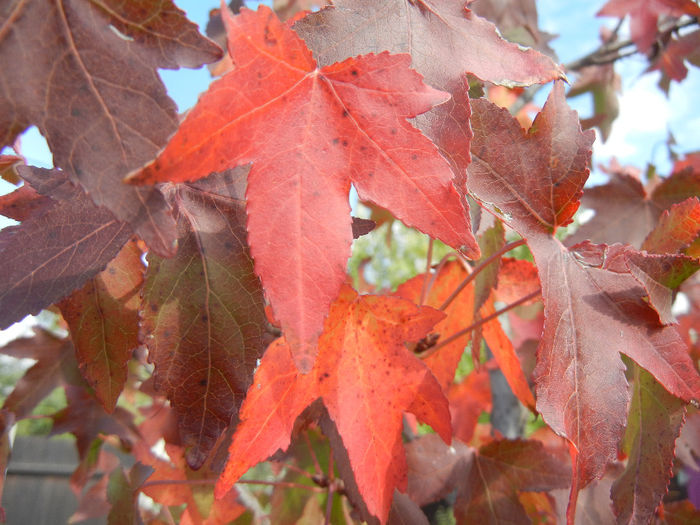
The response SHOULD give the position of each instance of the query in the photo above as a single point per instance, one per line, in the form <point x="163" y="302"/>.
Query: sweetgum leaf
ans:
<point x="499" y="470"/>
<point x="459" y="313"/>
<point x="504" y="353"/>
<point x="678" y="230"/>
<point x="123" y="491"/>
<point x="589" y="293"/>
<point x="653" y="425"/>
<point x="516" y="20"/>
<point x="68" y="62"/>
<point x="536" y="177"/>
<point x="23" y="203"/>
<point x="103" y="321"/>
<point x="435" y="469"/>
<point x="445" y="40"/>
<point x="203" y="316"/>
<point x="626" y="212"/>
<point x="644" y="15"/>
<point x="349" y="124"/>
<point x="361" y="361"/>
<point x="52" y="253"/>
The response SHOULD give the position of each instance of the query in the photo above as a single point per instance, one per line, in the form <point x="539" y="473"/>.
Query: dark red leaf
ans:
<point x="51" y="254"/>
<point x="500" y="469"/>
<point x="55" y="360"/>
<point x="588" y="291"/>
<point x="75" y="90"/>
<point x="626" y="211"/>
<point x="203" y="311"/>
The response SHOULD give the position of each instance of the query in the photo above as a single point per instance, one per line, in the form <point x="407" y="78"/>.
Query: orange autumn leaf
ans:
<point x="366" y="379"/>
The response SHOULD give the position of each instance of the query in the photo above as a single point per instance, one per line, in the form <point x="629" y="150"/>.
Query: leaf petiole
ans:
<point x="479" y="323"/>
<point x="479" y="268"/>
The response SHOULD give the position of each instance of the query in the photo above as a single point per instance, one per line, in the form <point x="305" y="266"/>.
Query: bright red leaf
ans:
<point x="502" y="349"/>
<point x="350" y="124"/>
<point x="468" y="400"/>
<point x="360" y="363"/>
<point x="203" y="317"/>
<point x="459" y="314"/>
<point x="517" y="279"/>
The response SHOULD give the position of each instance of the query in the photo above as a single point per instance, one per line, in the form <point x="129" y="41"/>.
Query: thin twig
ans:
<point x="212" y="481"/>
<point x="469" y="278"/>
<point x="317" y="465"/>
<point x="607" y="53"/>
<point x="479" y="323"/>
<point x="331" y="489"/>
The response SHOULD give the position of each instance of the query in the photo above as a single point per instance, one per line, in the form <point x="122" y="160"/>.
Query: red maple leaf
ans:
<point x="310" y="133"/>
<point x="366" y="379"/>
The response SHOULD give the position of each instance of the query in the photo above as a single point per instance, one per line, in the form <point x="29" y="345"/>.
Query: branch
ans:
<point x="610" y="52"/>
<point x="469" y="278"/>
<point x="479" y="323"/>
<point x="607" y="53"/>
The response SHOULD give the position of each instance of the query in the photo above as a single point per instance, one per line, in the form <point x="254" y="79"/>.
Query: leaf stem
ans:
<point x="428" y="264"/>
<point x="212" y="481"/>
<point x="479" y="323"/>
<point x="479" y="268"/>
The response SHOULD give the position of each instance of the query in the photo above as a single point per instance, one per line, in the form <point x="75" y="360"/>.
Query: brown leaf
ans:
<point x="85" y="74"/>
<point x="499" y="470"/>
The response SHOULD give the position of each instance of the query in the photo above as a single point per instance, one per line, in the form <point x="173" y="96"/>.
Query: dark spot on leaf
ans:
<point x="345" y="113"/>
<point x="336" y="140"/>
<point x="345" y="143"/>
<point x="414" y="157"/>
<point x="203" y="382"/>
<point x="75" y="112"/>
<point x="205" y="318"/>
<point x="353" y="72"/>
<point x="393" y="131"/>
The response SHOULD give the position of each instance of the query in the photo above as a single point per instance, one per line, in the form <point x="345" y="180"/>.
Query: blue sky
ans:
<point x="638" y="136"/>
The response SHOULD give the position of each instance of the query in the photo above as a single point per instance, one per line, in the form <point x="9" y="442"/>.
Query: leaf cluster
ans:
<point x="200" y="266"/>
